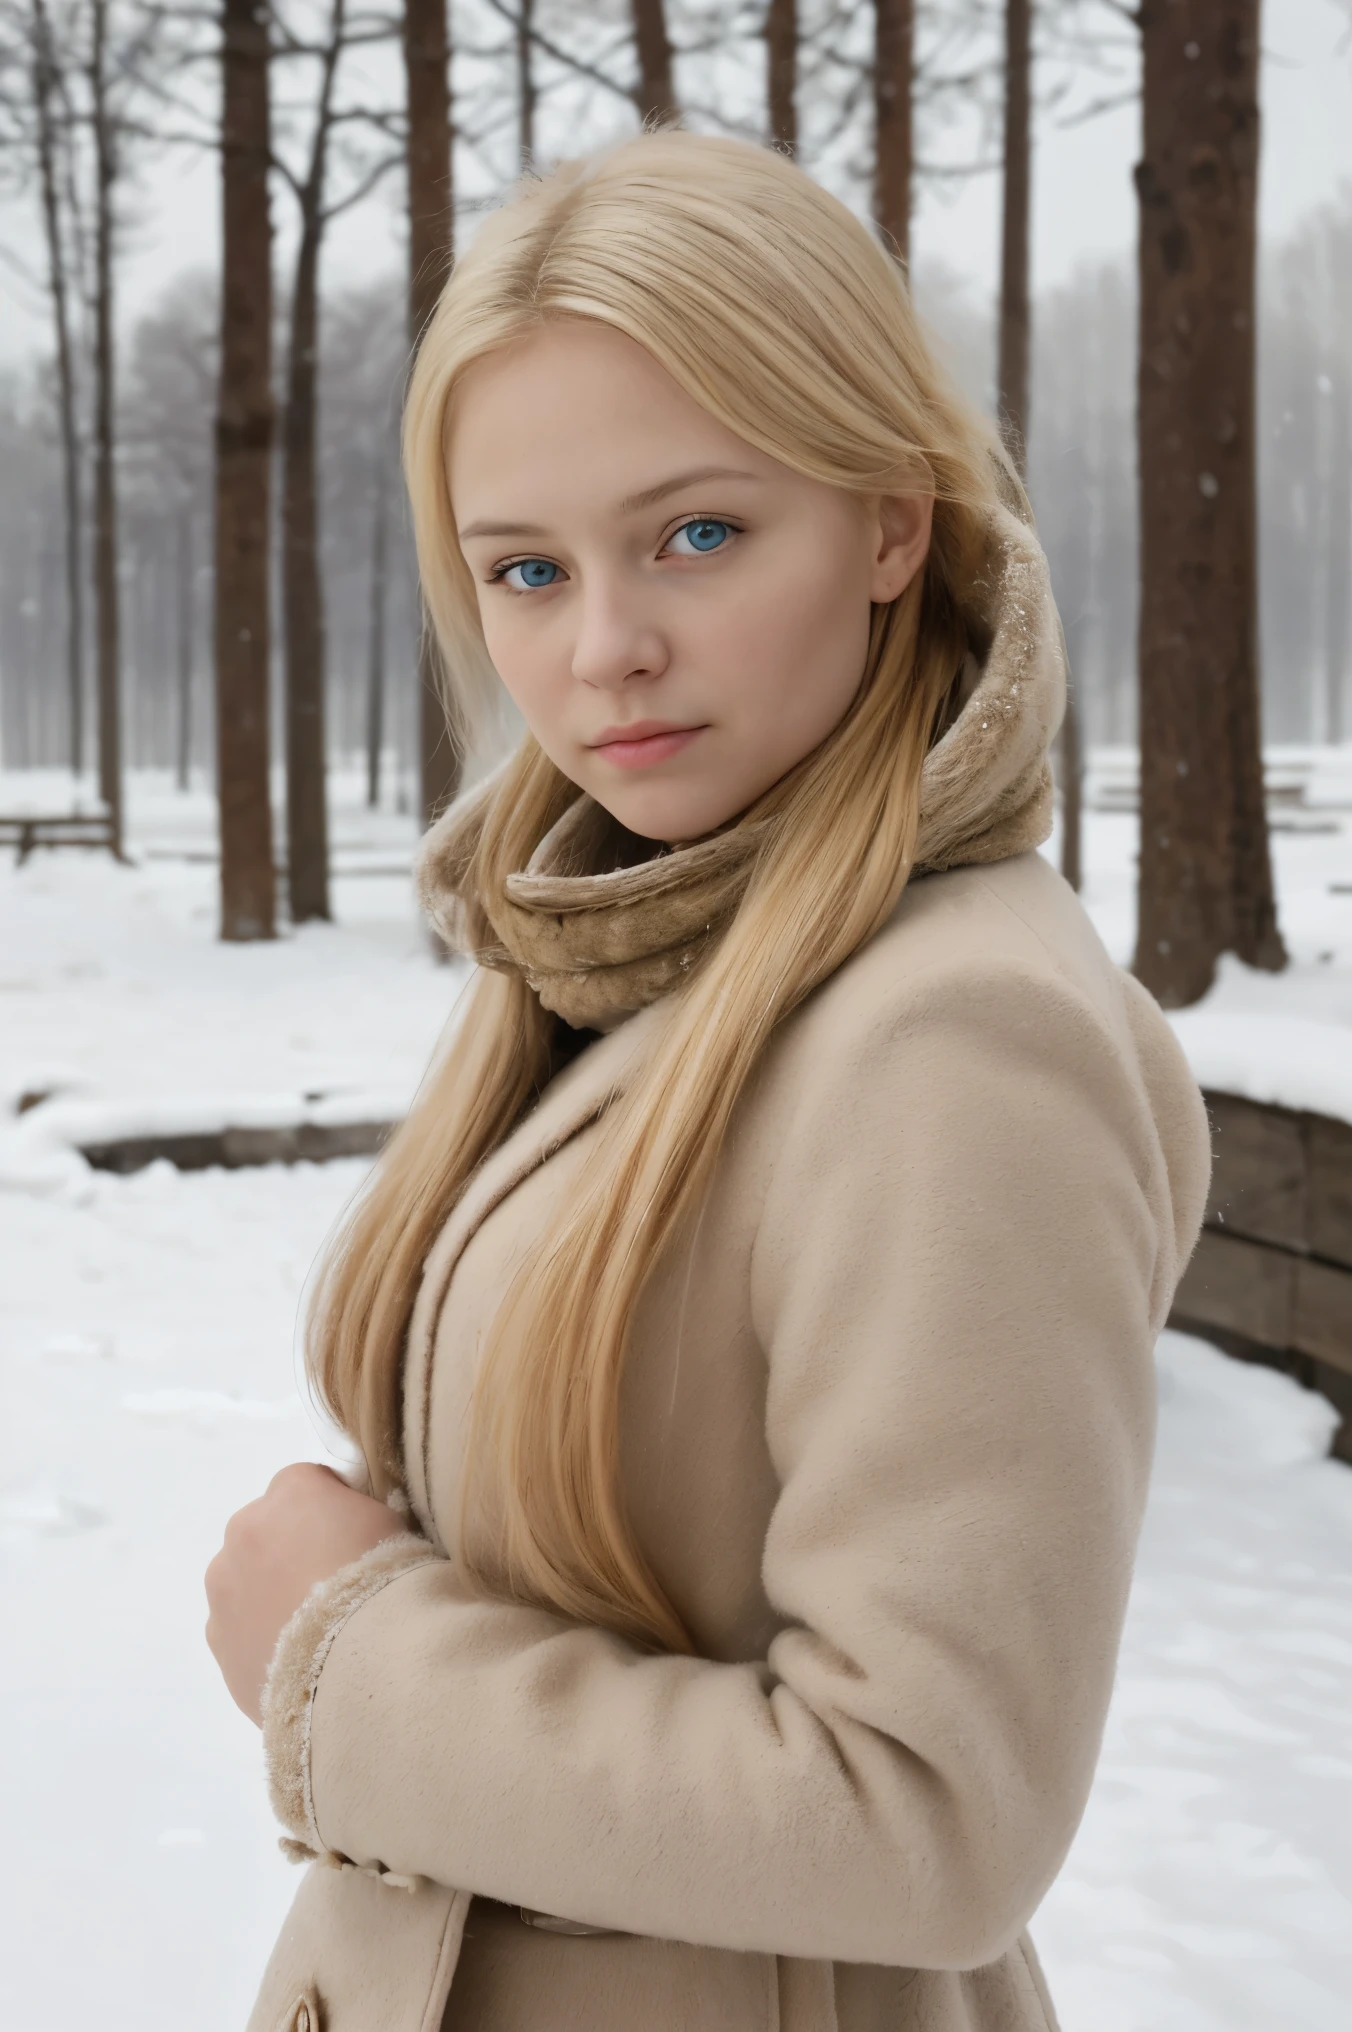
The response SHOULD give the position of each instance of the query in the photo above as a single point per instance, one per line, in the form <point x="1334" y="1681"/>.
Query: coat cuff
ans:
<point x="293" y="1676"/>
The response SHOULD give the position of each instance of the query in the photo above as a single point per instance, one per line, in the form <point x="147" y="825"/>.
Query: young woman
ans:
<point x="748" y="1334"/>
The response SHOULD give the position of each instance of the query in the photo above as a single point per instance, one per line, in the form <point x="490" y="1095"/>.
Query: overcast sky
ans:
<point x="1084" y="205"/>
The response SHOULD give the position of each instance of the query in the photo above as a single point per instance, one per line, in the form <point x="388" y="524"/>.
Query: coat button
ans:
<point x="304" y="2015"/>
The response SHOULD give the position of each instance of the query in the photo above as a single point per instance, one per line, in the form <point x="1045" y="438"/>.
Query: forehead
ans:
<point x="576" y="410"/>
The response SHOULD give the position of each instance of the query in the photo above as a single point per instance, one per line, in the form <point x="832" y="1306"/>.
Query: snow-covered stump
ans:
<point x="1272" y="1277"/>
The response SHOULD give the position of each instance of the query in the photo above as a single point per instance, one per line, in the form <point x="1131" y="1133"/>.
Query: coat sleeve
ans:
<point x="967" y="1246"/>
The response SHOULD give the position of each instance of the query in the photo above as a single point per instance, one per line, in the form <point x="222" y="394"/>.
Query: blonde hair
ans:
<point x="776" y="310"/>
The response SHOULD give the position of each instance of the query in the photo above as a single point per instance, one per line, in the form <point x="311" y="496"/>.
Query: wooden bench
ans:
<point x="1271" y="1280"/>
<point x="66" y="829"/>
<point x="234" y="1148"/>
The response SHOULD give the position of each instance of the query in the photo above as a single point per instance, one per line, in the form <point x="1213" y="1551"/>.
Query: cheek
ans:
<point x="794" y="645"/>
<point x="522" y="654"/>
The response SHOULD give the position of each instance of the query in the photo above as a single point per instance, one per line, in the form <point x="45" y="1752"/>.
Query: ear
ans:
<point x="901" y="535"/>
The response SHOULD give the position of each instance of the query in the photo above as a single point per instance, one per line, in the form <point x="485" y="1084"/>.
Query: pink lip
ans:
<point x="644" y="743"/>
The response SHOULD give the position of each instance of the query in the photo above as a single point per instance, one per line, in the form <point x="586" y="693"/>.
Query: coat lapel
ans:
<point x="572" y="1101"/>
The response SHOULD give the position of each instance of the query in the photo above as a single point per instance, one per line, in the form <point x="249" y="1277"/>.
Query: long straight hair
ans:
<point x="775" y="309"/>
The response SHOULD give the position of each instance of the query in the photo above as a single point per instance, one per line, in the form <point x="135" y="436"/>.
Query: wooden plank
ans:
<point x="1323" y="1314"/>
<point x="233" y="1149"/>
<point x="1258" y="1180"/>
<point x="1328" y="1156"/>
<point x="1240" y="1286"/>
<point x="1269" y="1297"/>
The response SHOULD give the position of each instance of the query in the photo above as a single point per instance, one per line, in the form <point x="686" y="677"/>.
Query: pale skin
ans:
<point x="680" y="619"/>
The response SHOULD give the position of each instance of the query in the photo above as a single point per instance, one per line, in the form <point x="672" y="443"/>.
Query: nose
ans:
<point x="618" y="639"/>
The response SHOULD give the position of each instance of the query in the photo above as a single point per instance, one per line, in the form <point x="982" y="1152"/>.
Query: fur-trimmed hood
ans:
<point x="598" y="941"/>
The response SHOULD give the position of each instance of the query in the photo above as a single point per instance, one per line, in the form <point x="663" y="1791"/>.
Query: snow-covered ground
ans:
<point x="148" y="1386"/>
<point x="112" y="981"/>
<point x="1284" y="1038"/>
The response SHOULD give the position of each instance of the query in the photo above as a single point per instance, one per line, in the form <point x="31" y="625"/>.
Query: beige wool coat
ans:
<point x="886" y="1433"/>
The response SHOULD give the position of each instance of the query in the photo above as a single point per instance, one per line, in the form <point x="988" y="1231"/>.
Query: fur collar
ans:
<point x="598" y="939"/>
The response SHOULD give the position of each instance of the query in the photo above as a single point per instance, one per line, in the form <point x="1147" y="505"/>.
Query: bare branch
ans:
<point x="377" y="172"/>
<point x="1108" y="104"/>
<point x="288" y="175"/>
<point x="573" y="63"/>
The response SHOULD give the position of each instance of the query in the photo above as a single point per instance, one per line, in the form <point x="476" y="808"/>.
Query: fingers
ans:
<point x="298" y="1475"/>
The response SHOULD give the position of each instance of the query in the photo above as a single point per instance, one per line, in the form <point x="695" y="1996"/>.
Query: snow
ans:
<point x="39" y="1151"/>
<point x="1210" y="1886"/>
<point x="149" y="1384"/>
<point x="148" y="1387"/>
<point x="1281" y="1038"/>
<point x="1285" y="1061"/>
<point x="113" y="984"/>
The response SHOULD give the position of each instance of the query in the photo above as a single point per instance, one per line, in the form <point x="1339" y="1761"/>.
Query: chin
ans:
<point x="666" y="819"/>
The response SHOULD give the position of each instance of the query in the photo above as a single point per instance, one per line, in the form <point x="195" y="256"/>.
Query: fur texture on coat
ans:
<point x="288" y="1696"/>
<point x="885" y="1440"/>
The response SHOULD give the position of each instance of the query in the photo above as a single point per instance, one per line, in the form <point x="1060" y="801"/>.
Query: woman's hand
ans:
<point x="306" y="1526"/>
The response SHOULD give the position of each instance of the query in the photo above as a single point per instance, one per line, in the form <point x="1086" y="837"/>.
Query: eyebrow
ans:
<point x="631" y="504"/>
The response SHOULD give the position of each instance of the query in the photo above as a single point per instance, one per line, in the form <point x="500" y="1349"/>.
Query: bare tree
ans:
<point x="656" y="95"/>
<point x="107" y="619"/>
<point x="96" y="71"/>
<point x="307" y="824"/>
<point x="375" y="662"/>
<point x="244" y="426"/>
<point x="46" y="84"/>
<point x="184" y="659"/>
<point x="525" y="81"/>
<point x="431" y="250"/>
<point x="1015" y="222"/>
<point x="364" y="364"/>
<point x="781" y="72"/>
<point x="1338" y="526"/>
<point x="1072" y="782"/>
<point x="307" y="831"/>
<point x="165" y="417"/>
<point x="431" y="192"/>
<point x="1205" y="871"/>
<point x="1015" y="346"/>
<point x="893" y="120"/>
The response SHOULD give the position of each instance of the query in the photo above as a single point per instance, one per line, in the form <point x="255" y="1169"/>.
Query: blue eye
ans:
<point x="534" y="572"/>
<point x="701" y="536"/>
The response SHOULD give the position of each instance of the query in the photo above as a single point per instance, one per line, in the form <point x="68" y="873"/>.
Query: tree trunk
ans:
<point x="307" y="830"/>
<point x="1014" y="238"/>
<point x="185" y="617"/>
<point x="105" y="476"/>
<point x="1013" y="397"/>
<point x="431" y="246"/>
<point x="244" y="423"/>
<point x="1338" y="536"/>
<point x="1205" y="871"/>
<point x="656" y="95"/>
<point x="431" y="206"/>
<point x="44" y="87"/>
<point x="1072" y="790"/>
<point x="375" y="663"/>
<point x="307" y="822"/>
<point x="893" y="121"/>
<point x="781" y="72"/>
<point x="525" y="82"/>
